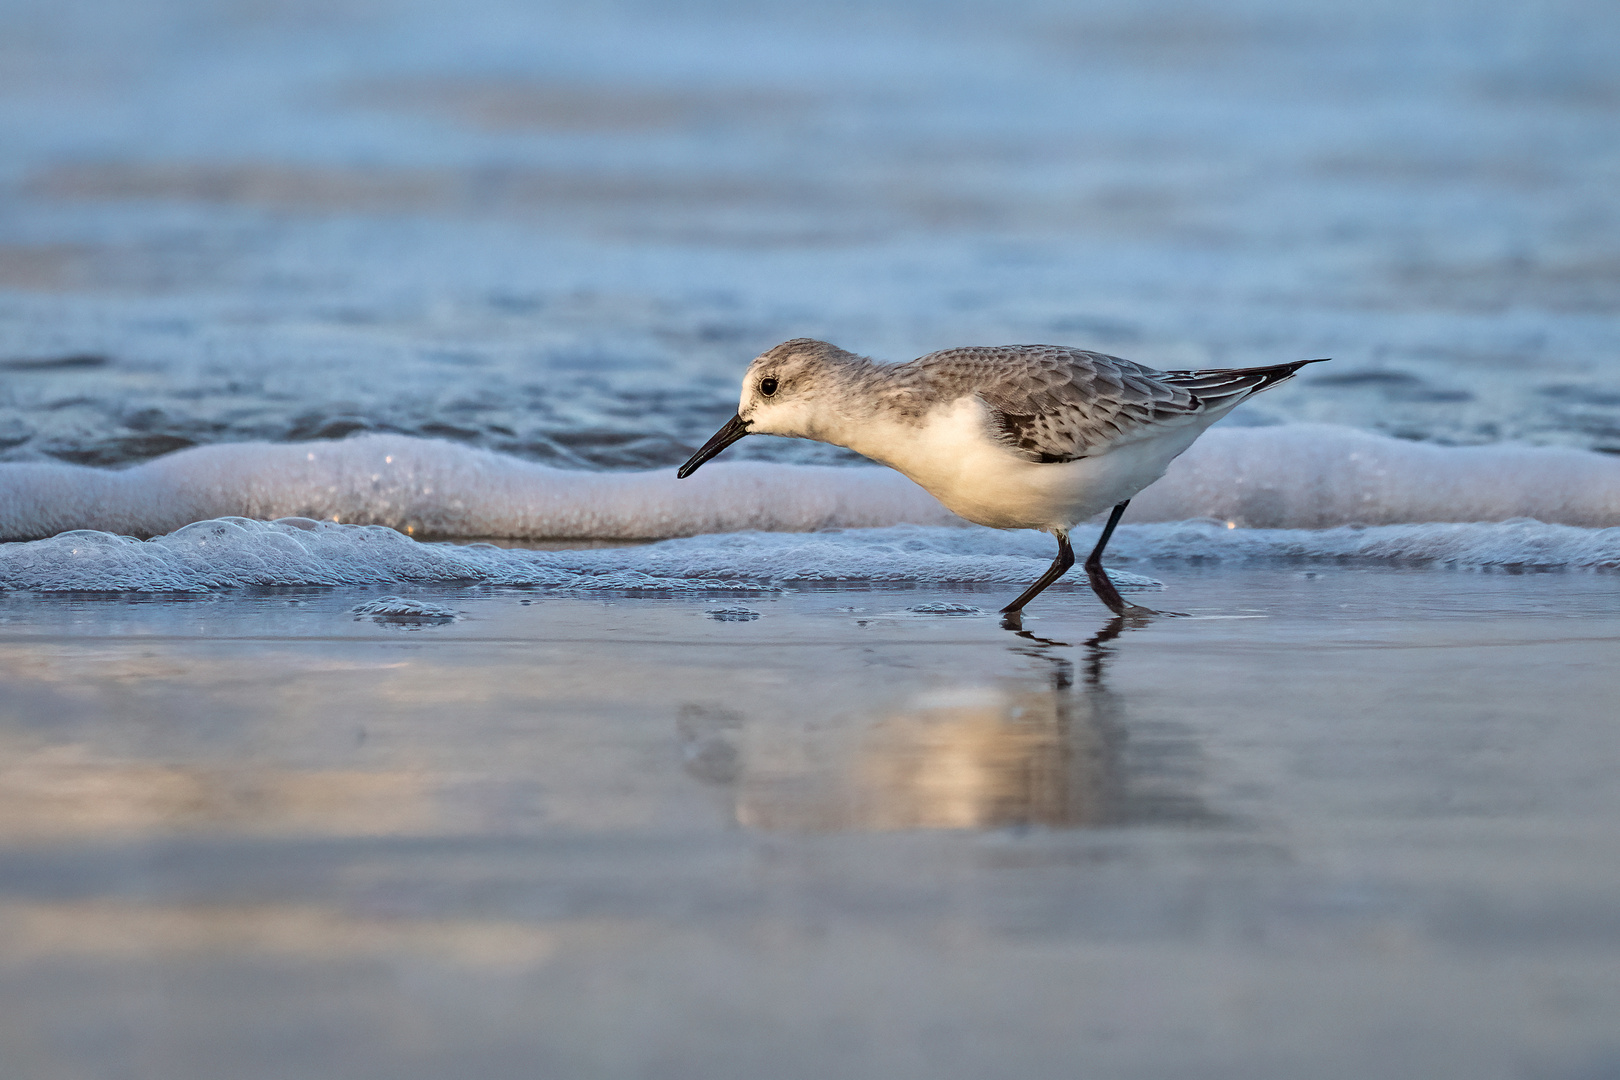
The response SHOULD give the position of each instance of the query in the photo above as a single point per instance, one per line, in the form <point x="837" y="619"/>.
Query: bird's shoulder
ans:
<point x="1050" y="403"/>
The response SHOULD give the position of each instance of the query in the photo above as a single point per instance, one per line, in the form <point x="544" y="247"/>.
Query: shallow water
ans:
<point x="1337" y="823"/>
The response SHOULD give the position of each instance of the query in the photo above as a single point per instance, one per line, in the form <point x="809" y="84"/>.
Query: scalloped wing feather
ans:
<point x="1051" y="404"/>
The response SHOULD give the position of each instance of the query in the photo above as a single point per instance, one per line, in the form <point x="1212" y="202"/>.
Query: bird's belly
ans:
<point x="1028" y="495"/>
<point x="980" y="480"/>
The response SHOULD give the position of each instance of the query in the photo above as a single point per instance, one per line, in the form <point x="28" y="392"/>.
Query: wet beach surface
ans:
<point x="1341" y="822"/>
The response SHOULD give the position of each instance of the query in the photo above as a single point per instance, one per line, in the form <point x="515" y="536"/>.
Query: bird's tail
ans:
<point x="1217" y="386"/>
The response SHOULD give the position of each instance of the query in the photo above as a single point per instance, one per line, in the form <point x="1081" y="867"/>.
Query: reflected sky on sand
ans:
<point x="186" y="728"/>
<point x="623" y="837"/>
<point x="1013" y="752"/>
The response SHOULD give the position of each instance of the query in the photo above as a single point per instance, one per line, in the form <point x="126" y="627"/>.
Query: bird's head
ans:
<point x="782" y="394"/>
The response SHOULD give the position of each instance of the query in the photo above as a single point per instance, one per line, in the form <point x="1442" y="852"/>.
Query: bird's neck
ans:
<point x="874" y="410"/>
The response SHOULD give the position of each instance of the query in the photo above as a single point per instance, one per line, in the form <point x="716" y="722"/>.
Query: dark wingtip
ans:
<point x="1288" y="371"/>
<point x="1284" y="372"/>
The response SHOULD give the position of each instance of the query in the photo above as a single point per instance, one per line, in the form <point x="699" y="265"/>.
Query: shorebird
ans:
<point x="1011" y="436"/>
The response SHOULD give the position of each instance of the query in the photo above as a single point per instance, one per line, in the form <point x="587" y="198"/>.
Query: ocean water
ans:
<point x="498" y="236"/>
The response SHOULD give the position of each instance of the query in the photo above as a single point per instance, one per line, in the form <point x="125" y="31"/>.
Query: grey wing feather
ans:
<point x="1050" y="404"/>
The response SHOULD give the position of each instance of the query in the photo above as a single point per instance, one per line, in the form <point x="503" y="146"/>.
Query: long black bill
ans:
<point x="735" y="429"/>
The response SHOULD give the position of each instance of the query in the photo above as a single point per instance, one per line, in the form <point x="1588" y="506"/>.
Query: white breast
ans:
<point x="955" y="458"/>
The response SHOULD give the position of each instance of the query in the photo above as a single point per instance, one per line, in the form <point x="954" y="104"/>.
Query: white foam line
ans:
<point x="431" y="487"/>
<point x="1294" y="476"/>
<point x="1317" y="476"/>
<point x="228" y="553"/>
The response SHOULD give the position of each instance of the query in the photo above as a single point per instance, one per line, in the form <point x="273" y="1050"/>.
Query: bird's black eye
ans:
<point x="767" y="386"/>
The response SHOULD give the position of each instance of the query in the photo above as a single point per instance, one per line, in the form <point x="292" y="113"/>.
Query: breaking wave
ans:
<point x="1301" y="476"/>
<point x="247" y="515"/>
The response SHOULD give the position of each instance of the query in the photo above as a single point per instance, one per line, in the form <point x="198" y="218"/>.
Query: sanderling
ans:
<point x="1013" y="436"/>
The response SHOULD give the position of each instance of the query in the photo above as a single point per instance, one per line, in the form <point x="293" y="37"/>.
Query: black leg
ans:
<point x="1100" y="584"/>
<point x="1059" y="567"/>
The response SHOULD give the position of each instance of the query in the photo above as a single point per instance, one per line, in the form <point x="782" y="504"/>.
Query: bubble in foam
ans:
<point x="404" y="611"/>
<point x="732" y="614"/>
<point x="954" y="610"/>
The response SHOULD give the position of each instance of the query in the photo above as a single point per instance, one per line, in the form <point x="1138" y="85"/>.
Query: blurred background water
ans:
<point x="561" y="231"/>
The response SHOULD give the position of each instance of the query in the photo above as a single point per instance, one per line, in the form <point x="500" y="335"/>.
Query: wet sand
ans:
<point x="1340" y="823"/>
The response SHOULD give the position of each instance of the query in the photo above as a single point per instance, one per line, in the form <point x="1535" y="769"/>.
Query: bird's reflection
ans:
<point x="1037" y="748"/>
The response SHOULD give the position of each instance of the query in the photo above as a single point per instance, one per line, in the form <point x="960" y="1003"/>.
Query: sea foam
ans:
<point x="1306" y="476"/>
<point x="241" y="552"/>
